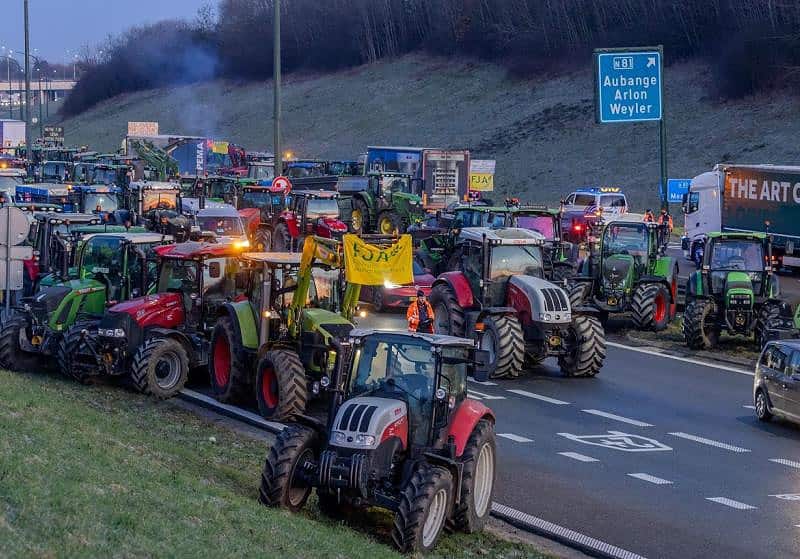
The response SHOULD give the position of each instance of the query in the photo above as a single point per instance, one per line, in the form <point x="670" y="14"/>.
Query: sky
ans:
<point x="58" y="26"/>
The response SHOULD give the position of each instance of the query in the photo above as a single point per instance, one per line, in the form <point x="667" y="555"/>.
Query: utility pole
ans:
<point x="276" y="79"/>
<point x="28" y="143"/>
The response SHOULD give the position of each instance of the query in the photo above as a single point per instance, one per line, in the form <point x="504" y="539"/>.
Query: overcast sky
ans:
<point x="61" y="25"/>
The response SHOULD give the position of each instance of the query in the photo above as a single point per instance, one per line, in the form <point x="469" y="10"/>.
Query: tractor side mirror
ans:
<point x="480" y="369"/>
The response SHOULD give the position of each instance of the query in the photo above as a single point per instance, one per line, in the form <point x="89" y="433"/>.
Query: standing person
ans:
<point x="420" y="314"/>
<point x="665" y="219"/>
<point x="648" y="216"/>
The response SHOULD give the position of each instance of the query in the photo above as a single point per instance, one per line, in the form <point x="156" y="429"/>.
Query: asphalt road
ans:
<point x="660" y="457"/>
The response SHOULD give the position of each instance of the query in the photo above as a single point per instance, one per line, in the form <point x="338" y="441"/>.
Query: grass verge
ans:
<point x="102" y="472"/>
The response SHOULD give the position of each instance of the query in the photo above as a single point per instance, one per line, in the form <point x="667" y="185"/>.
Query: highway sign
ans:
<point x="629" y="85"/>
<point x="676" y="188"/>
<point x="53" y="134"/>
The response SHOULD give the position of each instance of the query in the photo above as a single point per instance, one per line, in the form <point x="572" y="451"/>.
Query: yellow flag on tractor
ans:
<point x="367" y="264"/>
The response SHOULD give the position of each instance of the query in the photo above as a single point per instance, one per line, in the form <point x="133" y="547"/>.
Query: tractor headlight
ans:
<point x="389" y="285"/>
<point x="365" y="440"/>
<point x="111" y="332"/>
<point x="338" y="437"/>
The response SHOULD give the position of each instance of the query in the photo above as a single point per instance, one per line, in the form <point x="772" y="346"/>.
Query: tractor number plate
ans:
<point x="108" y="358"/>
<point x="612" y="301"/>
<point x="554" y="341"/>
<point x="36" y="340"/>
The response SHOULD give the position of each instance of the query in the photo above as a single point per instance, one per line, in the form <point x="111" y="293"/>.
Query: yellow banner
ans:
<point x="371" y="265"/>
<point x="481" y="181"/>
<point x="219" y="147"/>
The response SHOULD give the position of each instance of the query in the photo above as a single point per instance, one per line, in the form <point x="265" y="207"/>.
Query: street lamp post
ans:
<point x="28" y="143"/>
<point x="276" y="79"/>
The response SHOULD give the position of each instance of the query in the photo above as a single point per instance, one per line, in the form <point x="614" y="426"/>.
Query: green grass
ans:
<point x="103" y="472"/>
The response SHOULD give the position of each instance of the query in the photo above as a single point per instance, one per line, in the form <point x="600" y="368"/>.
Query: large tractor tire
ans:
<point x="12" y="356"/>
<point x="423" y="511"/>
<point x="588" y="347"/>
<point x="448" y="314"/>
<point x="389" y="223"/>
<point x="578" y="293"/>
<point x="477" y="479"/>
<point x="651" y="307"/>
<point x="160" y="367"/>
<point x="281" y="239"/>
<point x="360" y="217"/>
<point x="700" y="327"/>
<point x="766" y="314"/>
<point x="281" y="385"/>
<point x="280" y="486"/>
<point x="68" y="347"/>
<point x="562" y="273"/>
<point x="227" y="365"/>
<point x="262" y="241"/>
<point x="377" y="299"/>
<point x="502" y="338"/>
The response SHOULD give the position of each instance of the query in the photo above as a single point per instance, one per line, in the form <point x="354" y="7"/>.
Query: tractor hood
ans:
<point x="617" y="271"/>
<point x="251" y="217"/>
<point x="365" y="422"/>
<point x="538" y="300"/>
<point x="162" y="309"/>
<point x="329" y="324"/>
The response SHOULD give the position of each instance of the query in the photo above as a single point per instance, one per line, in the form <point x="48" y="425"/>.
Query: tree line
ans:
<point x="750" y="44"/>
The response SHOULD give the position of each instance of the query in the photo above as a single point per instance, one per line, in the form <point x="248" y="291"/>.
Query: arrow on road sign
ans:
<point x="651" y="61"/>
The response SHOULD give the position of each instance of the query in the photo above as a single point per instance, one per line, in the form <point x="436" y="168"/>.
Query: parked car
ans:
<point x="776" y="385"/>
<point x="397" y="296"/>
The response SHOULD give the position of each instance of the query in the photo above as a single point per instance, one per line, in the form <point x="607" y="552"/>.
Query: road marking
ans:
<point x="483" y="396"/>
<point x="749" y="407"/>
<point x="684" y="359"/>
<point x="787" y="496"/>
<point x="579" y="457"/>
<point x="785" y="462"/>
<point x="730" y="503"/>
<point x="709" y="442"/>
<point x="618" y="418"/>
<point x="559" y="533"/>
<point x="616" y="440"/>
<point x="651" y="479"/>
<point x="547" y="399"/>
<point x="515" y="438"/>
<point x="482" y="382"/>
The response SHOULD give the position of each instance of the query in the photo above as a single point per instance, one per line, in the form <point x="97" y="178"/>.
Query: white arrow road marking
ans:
<point x="483" y="396"/>
<point x="547" y="399"/>
<point x="618" y="418"/>
<point x="731" y="503"/>
<point x="749" y="407"/>
<point x="651" y="479"/>
<point x="616" y="440"/>
<point x="709" y="442"/>
<point x="482" y="382"/>
<point x="787" y="496"/>
<point x="579" y="457"/>
<point x="785" y="462"/>
<point x="515" y="438"/>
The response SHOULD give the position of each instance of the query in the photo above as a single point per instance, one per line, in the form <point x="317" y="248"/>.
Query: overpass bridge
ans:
<point x="45" y="88"/>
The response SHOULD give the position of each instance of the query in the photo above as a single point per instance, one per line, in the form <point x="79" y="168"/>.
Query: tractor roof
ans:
<point x="280" y="258"/>
<point x="737" y="235"/>
<point x="484" y="209"/>
<point x="154" y="185"/>
<point x="535" y="210"/>
<point x="503" y="236"/>
<point x="133" y="237"/>
<point x="223" y="210"/>
<point x="67" y="217"/>
<point x="433" y="339"/>
<point x="316" y="193"/>
<point x="192" y="250"/>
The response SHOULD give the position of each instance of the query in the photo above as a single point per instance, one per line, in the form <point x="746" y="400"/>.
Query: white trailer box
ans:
<point x="12" y="133"/>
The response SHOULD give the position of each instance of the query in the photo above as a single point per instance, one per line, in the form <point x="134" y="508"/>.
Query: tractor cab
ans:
<point x="261" y="171"/>
<point x="559" y="254"/>
<point x="481" y="216"/>
<point x="109" y="175"/>
<point x="54" y="171"/>
<point x="156" y="205"/>
<point x="314" y="212"/>
<point x="734" y="258"/>
<point x="44" y="193"/>
<point x="96" y="198"/>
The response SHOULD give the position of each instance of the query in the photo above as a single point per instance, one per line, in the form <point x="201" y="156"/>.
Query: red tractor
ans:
<point x="401" y="434"/>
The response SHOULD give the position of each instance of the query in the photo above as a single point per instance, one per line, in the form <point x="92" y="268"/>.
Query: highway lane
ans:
<point x="707" y="479"/>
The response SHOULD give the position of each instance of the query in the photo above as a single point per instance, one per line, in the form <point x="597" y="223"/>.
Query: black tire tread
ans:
<point x="461" y="518"/>
<point x="444" y="294"/>
<point x="140" y="365"/>
<point x="280" y="462"/>
<point x="414" y="501"/>
<point x="240" y="381"/>
<point x="292" y="384"/>
<point x="591" y="351"/>
<point x="643" y="306"/>
<point x="510" y="348"/>
<point x="12" y="357"/>
<point x="694" y="316"/>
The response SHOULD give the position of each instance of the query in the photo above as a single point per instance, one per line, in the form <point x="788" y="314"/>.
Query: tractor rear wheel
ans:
<point x="578" y="293"/>
<point x="68" y="346"/>
<point x="281" y="486"/>
<point x="389" y="223"/>
<point x="766" y="314"/>
<point x="650" y="307"/>
<point x="359" y="218"/>
<point x="281" y="239"/>
<point x="700" y="328"/>
<point x="448" y="314"/>
<point x="586" y="351"/>
<point x="477" y="479"/>
<point x="227" y="365"/>
<point x="262" y="242"/>
<point x="12" y="329"/>
<point x="160" y="367"/>
<point x="423" y="511"/>
<point x="377" y="298"/>
<point x="281" y="386"/>
<point x="502" y="338"/>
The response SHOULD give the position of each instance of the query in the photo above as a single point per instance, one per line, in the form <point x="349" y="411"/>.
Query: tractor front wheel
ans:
<point x="160" y="367"/>
<point x="359" y="219"/>
<point x="282" y="484"/>
<point x="502" y="338"/>
<point x="562" y="273"/>
<point x="263" y="240"/>
<point x="281" y="386"/>
<point x="651" y="307"/>
<point x="448" y="314"/>
<point x="578" y="293"/>
<point x="766" y="314"/>
<point x="282" y="239"/>
<point x="423" y="511"/>
<point x="586" y="347"/>
<point x="68" y="347"/>
<point x="477" y="479"/>
<point x="13" y="329"/>
<point x="700" y="328"/>
<point x="227" y="364"/>
<point x="389" y="223"/>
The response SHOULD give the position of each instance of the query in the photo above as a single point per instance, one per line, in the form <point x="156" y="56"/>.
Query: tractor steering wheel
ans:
<point x="736" y="263"/>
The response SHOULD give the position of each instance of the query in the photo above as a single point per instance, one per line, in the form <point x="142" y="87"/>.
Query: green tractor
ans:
<point x="630" y="272"/>
<point x="111" y="267"/>
<point x="735" y="290"/>
<point x="385" y="203"/>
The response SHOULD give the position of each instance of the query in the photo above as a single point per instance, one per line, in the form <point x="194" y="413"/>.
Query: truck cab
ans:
<point x="702" y="214"/>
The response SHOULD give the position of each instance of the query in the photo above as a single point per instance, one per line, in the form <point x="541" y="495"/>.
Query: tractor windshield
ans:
<point x="261" y="172"/>
<point x="324" y="292"/>
<point x="159" y="200"/>
<point x="741" y="255"/>
<point x="100" y="202"/>
<point x="259" y="198"/>
<point x="322" y="207"/>
<point x="104" y="176"/>
<point x="478" y="218"/>
<point x="627" y="238"/>
<point x="511" y="260"/>
<point x="223" y="226"/>
<point x="179" y="276"/>
<point x="102" y="256"/>
<point x="544" y="224"/>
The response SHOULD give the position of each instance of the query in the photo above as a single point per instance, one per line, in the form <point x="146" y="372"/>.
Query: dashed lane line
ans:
<point x="616" y="417"/>
<point x="709" y="442"/>
<point x="535" y="396"/>
<point x="748" y="407"/>
<point x="678" y="358"/>
<point x="651" y="479"/>
<point x="482" y="382"/>
<point x="731" y="503"/>
<point x="579" y="457"/>
<point x="785" y="462"/>
<point x="484" y="396"/>
<point x="515" y="438"/>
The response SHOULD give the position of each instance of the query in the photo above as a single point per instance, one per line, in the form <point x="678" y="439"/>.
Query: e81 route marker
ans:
<point x="629" y="85"/>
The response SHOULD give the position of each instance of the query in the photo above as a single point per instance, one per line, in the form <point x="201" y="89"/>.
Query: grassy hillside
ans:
<point x="542" y="132"/>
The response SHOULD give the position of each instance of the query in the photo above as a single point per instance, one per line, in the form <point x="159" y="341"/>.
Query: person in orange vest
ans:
<point x="420" y="314"/>
<point x="648" y="216"/>
<point x="665" y="219"/>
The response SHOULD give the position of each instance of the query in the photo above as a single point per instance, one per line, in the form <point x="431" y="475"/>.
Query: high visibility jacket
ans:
<point x="648" y="217"/>
<point x="668" y="220"/>
<point x="412" y="315"/>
